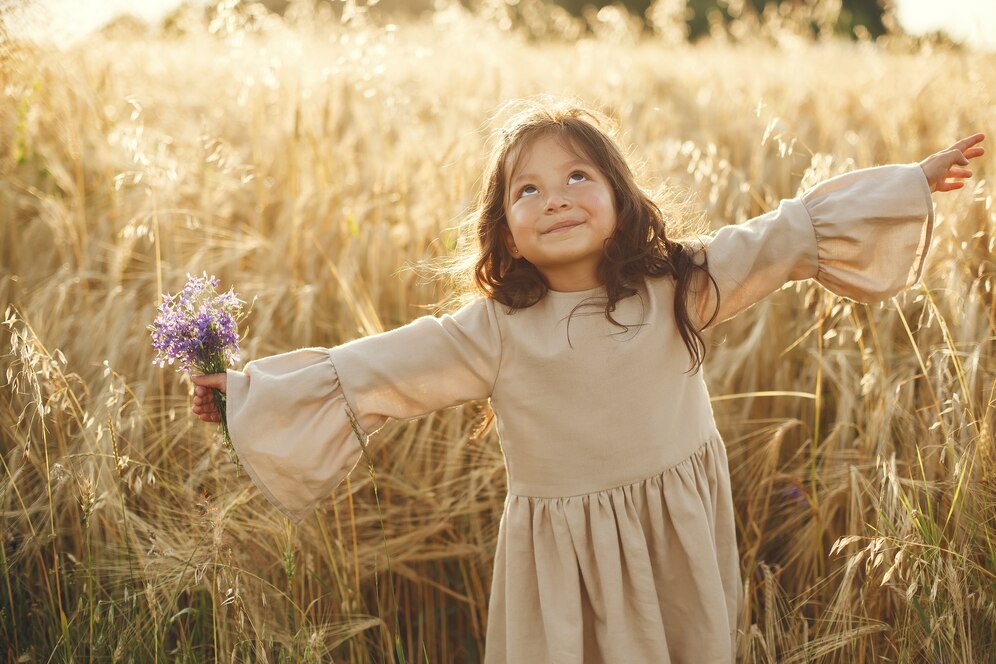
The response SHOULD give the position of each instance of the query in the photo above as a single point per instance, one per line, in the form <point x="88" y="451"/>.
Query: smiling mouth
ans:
<point x="562" y="226"/>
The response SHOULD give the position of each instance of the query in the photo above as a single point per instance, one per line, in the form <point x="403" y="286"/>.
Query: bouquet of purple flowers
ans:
<point x="198" y="329"/>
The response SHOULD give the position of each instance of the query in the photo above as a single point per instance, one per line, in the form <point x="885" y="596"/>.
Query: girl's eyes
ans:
<point x="573" y="178"/>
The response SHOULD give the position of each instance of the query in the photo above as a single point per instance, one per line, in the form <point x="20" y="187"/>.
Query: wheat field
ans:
<point x="318" y="165"/>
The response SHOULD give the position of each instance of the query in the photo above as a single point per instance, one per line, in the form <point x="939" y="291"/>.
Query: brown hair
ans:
<point x="638" y="247"/>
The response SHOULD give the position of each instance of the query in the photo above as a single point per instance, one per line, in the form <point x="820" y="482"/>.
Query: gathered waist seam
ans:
<point x="715" y="438"/>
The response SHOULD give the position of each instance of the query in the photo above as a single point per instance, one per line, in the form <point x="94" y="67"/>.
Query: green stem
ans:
<point x="221" y="402"/>
<point x="362" y="438"/>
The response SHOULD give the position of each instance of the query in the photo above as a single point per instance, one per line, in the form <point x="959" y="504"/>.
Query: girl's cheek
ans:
<point x="523" y="206"/>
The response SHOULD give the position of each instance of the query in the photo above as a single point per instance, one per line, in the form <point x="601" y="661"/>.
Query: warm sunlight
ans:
<point x="497" y="332"/>
<point x="65" y="21"/>
<point x="971" y="21"/>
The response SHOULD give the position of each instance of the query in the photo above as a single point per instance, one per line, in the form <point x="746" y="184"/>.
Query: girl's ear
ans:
<point x="506" y="237"/>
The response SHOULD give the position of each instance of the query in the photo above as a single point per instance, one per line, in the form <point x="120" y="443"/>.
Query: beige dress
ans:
<point x="617" y="541"/>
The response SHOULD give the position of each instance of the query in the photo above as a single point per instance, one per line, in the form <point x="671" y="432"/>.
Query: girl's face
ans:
<point x="560" y="210"/>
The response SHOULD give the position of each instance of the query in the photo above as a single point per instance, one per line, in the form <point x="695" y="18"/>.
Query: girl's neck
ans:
<point x="576" y="292"/>
<point x="576" y="281"/>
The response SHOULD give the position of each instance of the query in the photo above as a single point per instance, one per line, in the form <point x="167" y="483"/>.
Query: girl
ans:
<point x="617" y="541"/>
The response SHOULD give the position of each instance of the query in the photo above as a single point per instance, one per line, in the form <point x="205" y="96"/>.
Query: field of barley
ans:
<point x="318" y="163"/>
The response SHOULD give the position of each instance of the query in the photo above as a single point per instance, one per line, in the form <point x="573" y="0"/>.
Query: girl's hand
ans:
<point x="946" y="164"/>
<point x="204" y="405"/>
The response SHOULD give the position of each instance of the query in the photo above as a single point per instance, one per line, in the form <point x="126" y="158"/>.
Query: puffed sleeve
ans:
<point x="862" y="235"/>
<point x="291" y="415"/>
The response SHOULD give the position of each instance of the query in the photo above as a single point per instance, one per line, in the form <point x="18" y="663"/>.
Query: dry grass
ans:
<point x="306" y="164"/>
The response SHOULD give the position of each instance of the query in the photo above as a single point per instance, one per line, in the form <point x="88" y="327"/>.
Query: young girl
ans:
<point x="617" y="541"/>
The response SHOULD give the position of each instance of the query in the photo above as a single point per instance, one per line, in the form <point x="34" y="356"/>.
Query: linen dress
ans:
<point x="617" y="540"/>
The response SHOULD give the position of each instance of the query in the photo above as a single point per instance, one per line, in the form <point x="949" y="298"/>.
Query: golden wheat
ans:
<point x="309" y="163"/>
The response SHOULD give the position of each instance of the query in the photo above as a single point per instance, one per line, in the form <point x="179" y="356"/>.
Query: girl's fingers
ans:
<point x="966" y="147"/>
<point x="951" y="163"/>
<point x="216" y="381"/>
<point x="969" y="141"/>
<point x="206" y="409"/>
<point x="205" y="401"/>
<point x="203" y="408"/>
<point x="950" y="186"/>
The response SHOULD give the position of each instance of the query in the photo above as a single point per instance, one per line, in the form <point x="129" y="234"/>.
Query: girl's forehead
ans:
<point x="521" y="153"/>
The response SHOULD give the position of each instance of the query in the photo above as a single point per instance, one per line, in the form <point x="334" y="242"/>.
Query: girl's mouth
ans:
<point x="562" y="226"/>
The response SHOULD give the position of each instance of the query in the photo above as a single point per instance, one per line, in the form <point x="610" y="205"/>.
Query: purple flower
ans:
<point x="198" y="327"/>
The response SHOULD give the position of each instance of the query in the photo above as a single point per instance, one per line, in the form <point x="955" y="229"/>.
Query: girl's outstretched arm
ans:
<point x="863" y="235"/>
<point x="204" y="403"/>
<point x="299" y="420"/>
<point x="951" y="163"/>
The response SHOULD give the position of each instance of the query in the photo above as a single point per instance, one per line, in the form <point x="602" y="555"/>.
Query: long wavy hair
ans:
<point x="639" y="247"/>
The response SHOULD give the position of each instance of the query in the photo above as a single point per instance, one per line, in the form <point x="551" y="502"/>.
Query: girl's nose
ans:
<point x="556" y="201"/>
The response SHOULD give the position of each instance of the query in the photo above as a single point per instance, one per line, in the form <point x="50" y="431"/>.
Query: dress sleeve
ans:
<point x="291" y="416"/>
<point x="862" y="235"/>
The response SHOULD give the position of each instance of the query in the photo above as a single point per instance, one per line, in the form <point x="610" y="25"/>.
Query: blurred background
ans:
<point x="964" y="21"/>
<point x="318" y="157"/>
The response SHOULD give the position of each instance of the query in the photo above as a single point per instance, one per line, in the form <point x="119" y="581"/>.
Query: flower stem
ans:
<point x="221" y="401"/>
